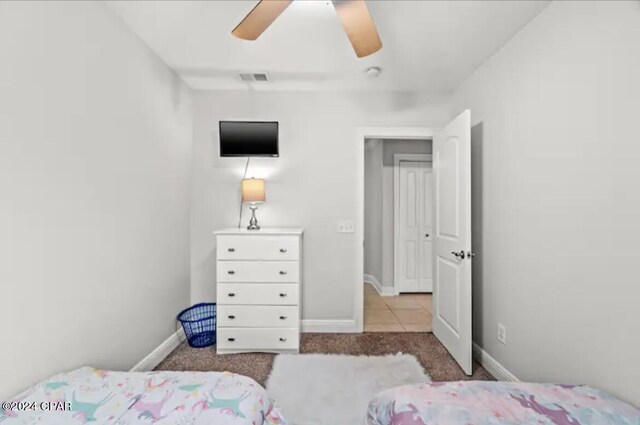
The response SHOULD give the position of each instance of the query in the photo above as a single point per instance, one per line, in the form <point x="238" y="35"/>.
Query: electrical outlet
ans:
<point x="502" y="333"/>
<point x="346" y="226"/>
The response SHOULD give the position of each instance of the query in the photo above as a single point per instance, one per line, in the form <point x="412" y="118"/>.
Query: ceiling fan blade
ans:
<point x="259" y="19"/>
<point x="359" y="26"/>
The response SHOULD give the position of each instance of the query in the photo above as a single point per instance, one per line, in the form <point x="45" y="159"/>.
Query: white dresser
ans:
<point x="259" y="275"/>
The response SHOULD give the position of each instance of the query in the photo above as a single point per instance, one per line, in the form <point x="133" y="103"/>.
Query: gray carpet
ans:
<point x="435" y="359"/>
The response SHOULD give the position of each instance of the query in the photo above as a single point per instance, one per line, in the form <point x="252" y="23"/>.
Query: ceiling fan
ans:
<point x="353" y="14"/>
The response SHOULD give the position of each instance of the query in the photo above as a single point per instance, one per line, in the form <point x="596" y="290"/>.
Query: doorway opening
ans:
<point x="452" y="255"/>
<point x="398" y="210"/>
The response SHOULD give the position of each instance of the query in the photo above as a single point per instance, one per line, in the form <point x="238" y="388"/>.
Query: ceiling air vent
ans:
<point x="254" y="76"/>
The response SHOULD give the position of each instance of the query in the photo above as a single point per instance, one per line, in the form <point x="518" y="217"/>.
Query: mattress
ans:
<point x="498" y="403"/>
<point x="96" y="396"/>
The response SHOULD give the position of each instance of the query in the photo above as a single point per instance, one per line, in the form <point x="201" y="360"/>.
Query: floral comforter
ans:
<point x="498" y="403"/>
<point x="95" y="396"/>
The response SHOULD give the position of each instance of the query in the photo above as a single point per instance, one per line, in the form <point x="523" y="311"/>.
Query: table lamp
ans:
<point x="253" y="194"/>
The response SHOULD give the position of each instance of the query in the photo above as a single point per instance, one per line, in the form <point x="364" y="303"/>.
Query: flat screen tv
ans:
<point x="249" y="138"/>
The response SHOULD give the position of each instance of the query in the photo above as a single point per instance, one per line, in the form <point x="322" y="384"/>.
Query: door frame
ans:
<point x="415" y="157"/>
<point x="363" y="133"/>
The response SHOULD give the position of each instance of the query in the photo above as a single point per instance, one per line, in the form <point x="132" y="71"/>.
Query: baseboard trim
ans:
<point x="329" y="326"/>
<point x="154" y="358"/>
<point x="498" y="371"/>
<point x="384" y="291"/>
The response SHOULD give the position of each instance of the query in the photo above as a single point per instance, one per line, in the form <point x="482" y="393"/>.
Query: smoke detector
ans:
<point x="254" y="76"/>
<point x="373" y="72"/>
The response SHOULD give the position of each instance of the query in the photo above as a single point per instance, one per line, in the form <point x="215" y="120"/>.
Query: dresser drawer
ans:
<point x="270" y="316"/>
<point x="272" y="248"/>
<point x="258" y="271"/>
<point x="260" y="294"/>
<point x="258" y="339"/>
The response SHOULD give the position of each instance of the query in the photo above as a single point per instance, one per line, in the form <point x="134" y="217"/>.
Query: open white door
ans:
<point x="452" y="228"/>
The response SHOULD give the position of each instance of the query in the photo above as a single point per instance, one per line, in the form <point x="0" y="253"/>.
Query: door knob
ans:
<point x="231" y="272"/>
<point x="231" y="250"/>
<point x="459" y="255"/>
<point x="283" y="272"/>
<point x="283" y="295"/>
<point x="231" y="339"/>
<point x="232" y="317"/>
<point x="426" y="235"/>
<point x="231" y="294"/>
<point x="283" y="317"/>
<point x="283" y="250"/>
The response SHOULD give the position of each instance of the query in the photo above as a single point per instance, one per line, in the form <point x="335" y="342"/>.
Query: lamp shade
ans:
<point x="253" y="190"/>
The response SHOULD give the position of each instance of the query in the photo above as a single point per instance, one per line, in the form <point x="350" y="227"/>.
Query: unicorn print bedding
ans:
<point x="498" y="403"/>
<point x="95" y="396"/>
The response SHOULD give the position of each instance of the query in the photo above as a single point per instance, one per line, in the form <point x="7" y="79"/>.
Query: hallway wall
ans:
<point x="373" y="204"/>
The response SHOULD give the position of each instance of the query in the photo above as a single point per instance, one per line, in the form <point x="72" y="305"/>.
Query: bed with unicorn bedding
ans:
<point x="498" y="403"/>
<point x="96" y="396"/>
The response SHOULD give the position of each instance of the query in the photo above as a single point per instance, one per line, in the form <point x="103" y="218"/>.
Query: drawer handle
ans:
<point x="283" y="295"/>
<point x="231" y="272"/>
<point x="232" y="317"/>
<point x="283" y="317"/>
<point x="231" y="250"/>
<point x="283" y="272"/>
<point x="283" y="339"/>
<point x="283" y="250"/>
<point x="231" y="294"/>
<point x="231" y="339"/>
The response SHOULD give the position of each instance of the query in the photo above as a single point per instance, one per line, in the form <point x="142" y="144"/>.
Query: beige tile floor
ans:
<point x="402" y="313"/>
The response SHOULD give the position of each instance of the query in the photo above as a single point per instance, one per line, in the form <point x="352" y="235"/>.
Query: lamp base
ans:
<point x="253" y="223"/>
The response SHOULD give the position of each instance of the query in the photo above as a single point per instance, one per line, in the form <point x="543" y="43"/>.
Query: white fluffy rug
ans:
<point x="320" y="389"/>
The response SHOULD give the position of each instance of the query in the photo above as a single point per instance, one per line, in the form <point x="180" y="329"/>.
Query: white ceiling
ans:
<point x="427" y="45"/>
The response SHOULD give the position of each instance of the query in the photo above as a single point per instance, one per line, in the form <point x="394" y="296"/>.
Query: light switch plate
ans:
<point x="346" y="226"/>
<point x="502" y="333"/>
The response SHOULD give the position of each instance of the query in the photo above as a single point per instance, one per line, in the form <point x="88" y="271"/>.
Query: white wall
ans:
<point x="556" y="199"/>
<point x="373" y="243"/>
<point x="390" y="148"/>
<point x="95" y="157"/>
<point x="312" y="184"/>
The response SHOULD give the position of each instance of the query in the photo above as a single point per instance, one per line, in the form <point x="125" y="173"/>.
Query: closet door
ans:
<point x="414" y="249"/>
<point x="409" y="227"/>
